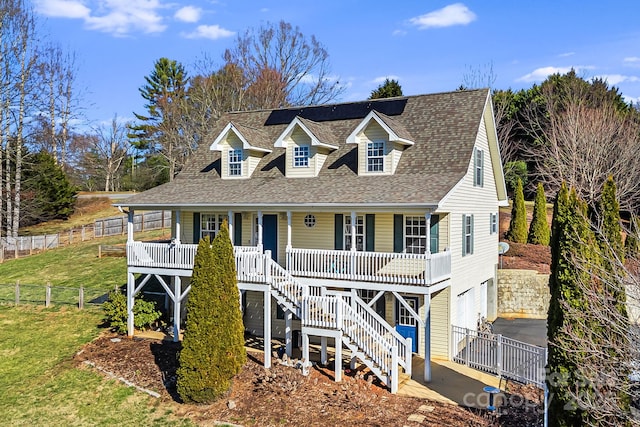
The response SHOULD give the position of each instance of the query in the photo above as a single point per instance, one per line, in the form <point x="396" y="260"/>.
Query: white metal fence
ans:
<point x="496" y="354"/>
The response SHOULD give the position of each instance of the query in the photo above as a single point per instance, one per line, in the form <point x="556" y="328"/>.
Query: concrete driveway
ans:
<point x="531" y="331"/>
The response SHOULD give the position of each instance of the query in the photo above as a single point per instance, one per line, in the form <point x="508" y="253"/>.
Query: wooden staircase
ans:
<point x="368" y="336"/>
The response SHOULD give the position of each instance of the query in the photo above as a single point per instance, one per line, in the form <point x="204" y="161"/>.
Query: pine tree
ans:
<point x="518" y="226"/>
<point x="388" y="89"/>
<point x="539" y="233"/>
<point x="213" y="346"/>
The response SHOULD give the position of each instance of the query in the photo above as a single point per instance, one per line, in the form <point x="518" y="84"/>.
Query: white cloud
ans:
<point x="542" y="73"/>
<point x="379" y="80"/>
<point x="62" y="8"/>
<point x="213" y="32"/>
<point x="117" y="17"/>
<point x="454" y="14"/>
<point x="631" y="59"/>
<point x="566" y="54"/>
<point x="614" y="79"/>
<point x="188" y="14"/>
<point x="399" y="33"/>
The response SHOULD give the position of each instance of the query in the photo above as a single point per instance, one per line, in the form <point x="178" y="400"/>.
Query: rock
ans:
<point x="231" y="404"/>
<point x="115" y="340"/>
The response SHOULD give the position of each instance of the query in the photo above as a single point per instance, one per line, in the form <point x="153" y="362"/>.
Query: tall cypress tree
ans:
<point x="213" y="346"/>
<point x="539" y="233"/>
<point x="632" y="243"/>
<point x="615" y="340"/>
<point x="572" y="239"/>
<point x="518" y="226"/>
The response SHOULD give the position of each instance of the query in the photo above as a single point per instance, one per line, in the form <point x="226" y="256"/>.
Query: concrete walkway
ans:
<point x="451" y="383"/>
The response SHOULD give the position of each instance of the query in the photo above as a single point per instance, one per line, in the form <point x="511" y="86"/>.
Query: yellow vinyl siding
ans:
<point x="384" y="232"/>
<point x="320" y="236"/>
<point x="186" y="226"/>
<point x="440" y="324"/>
<point x="443" y="230"/>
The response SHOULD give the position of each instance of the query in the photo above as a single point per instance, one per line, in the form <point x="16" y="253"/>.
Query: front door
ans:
<point x="270" y="235"/>
<point x="406" y="324"/>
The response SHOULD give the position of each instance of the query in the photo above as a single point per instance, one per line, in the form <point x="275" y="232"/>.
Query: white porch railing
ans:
<point x="382" y="267"/>
<point x="505" y="357"/>
<point x="161" y="255"/>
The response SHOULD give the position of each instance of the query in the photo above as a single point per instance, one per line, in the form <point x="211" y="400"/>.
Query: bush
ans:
<point x="513" y="171"/>
<point x="115" y="310"/>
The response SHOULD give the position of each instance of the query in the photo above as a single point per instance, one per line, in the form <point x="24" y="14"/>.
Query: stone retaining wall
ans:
<point x="523" y="294"/>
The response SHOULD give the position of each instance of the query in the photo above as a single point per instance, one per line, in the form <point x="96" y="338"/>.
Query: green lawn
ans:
<point x="68" y="267"/>
<point x="41" y="386"/>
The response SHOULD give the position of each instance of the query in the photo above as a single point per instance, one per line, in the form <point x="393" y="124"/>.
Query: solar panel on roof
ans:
<point x="322" y="113"/>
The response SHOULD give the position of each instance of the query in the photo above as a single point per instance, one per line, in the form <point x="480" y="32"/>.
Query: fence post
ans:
<point x="81" y="298"/>
<point x="31" y="246"/>
<point x="71" y="236"/>
<point x="15" y="251"/>
<point x="2" y="252"/>
<point x="47" y="298"/>
<point x="499" y="355"/>
<point x="17" y="292"/>
<point x="467" y="345"/>
<point x="82" y="234"/>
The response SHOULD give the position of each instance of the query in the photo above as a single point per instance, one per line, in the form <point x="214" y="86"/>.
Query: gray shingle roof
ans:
<point x="443" y="126"/>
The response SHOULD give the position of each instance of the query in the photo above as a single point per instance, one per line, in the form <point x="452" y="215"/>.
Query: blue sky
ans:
<point x="429" y="46"/>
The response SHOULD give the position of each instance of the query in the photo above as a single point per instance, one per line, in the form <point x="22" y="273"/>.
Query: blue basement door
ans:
<point x="406" y="324"/>
<point x="270" y="235"/>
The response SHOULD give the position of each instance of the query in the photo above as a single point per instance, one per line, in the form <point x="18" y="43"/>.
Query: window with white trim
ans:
<point x="415" y="234"/>
<point x="467" y="235"/>
<point x="210" y="224"/>
<point x="478" y="163"/>
<point x="493" y="224"/>
<point x="301" y="156"/>
<point x="359" y="233"/>
<point x="375" y="156"/>
<point x="235" y="162"/>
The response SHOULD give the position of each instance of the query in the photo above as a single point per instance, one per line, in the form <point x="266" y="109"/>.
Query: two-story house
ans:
<point x="373" y="224"/>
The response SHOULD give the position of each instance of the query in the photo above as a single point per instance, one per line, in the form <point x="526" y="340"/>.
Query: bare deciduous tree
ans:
<point x="583" y="145"/>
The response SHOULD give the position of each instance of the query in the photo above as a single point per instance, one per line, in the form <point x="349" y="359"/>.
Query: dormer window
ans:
<point x="301" y="156"/>
<point x="235" y="162"/>
<point x="375" y="156"/>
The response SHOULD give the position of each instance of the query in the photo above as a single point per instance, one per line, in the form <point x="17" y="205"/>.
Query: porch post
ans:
<point x="305" y="348"/>
<point x="177" y="293"/>
<point x="427" y="249"/>
<point x="260" y="230"/>
<point x="288" y="230"/>
<point x="130" y="288"/>
<point x="427" y="338"/>
<point x="130" y="226"/>
<point x="338" y="358"/>
<point x="267" y="324"/>
<point x="288" y="318"/>
<point x="176" y="238"/>
<point x="230" y="219"/>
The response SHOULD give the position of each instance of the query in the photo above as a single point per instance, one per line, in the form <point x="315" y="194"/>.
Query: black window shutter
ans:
<point x="371" y="232"/>
<point x="464" y="234"/>
<point x="339" y="233"/>
<point x="434" y="233"/>
<point x="237" y="229"/>
<point x="398" y="233"/>
<point x="196" y="227"/>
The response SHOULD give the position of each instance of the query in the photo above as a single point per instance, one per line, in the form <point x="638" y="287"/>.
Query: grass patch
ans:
<point x="87" y="210"/>
<point x="67" y="267"/>
<point x="42" y="386"/>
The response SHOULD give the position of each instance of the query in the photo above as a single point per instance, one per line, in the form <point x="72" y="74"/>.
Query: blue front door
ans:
<point x="270" y="235"/>
<point x="406" y="324"/>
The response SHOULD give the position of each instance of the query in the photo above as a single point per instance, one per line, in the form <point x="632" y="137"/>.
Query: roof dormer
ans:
<point x="381" y="141"/>
<point x="307" y="144"/>
<point x="238" y="156"/>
